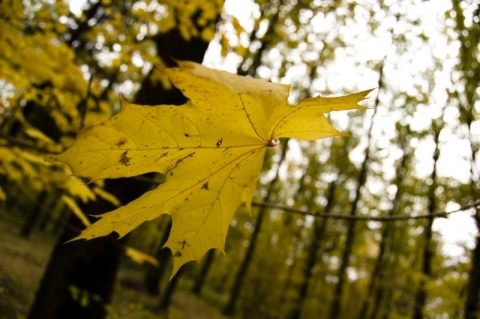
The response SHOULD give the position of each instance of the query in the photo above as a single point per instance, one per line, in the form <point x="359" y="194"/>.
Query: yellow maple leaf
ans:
<point x="210" y="150"/>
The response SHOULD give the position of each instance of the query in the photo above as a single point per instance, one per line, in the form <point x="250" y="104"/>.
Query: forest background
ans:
<point x="348" y="227"/>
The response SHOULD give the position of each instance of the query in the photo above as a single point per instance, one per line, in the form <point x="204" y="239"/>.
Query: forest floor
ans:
<point x="22" y="262"/>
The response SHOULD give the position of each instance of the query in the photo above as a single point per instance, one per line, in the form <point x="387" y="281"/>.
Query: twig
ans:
<point x="443" y="214"/>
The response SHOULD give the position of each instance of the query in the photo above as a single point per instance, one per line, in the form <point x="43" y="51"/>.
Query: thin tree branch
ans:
<point x="443" y="214"/>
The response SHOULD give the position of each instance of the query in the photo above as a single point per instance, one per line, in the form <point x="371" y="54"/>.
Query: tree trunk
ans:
<point x="421" y="293"/>
<point x="375" y="291"/>
<point x="154" y="274"/>
<point x="170" y="47"/>
<point x="264" y="43"/>
<point x="79" y="278"/>
<point x="318" y="235"/>
<point x="335" y="307"/>
<point x="205" y="268"/>
<point x="34" y="215"/>
<point x="472" y="302"/>
<point x="166" y="298"/>
<point x="51" y="209"/>
<point x="467" y="99"/>
<point x="242" y="271"/>
<point x="229" y="308"/>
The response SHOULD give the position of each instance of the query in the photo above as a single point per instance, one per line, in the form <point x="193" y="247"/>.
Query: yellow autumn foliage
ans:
<point x="210" y="151"/>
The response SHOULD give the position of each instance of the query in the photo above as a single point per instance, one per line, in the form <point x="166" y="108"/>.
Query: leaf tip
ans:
<point x="364" y="94"/>
<point x="177" y="264"/>
<point x="73" y="239"/>
<point x="124" y="103"/>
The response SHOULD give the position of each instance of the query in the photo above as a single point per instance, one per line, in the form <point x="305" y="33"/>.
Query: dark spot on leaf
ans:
<point x="184" y="243"/>
<point x="186" y="135"/>
<point x="121" y="142"/>
<point x="162" y="156"/>
<point x="184" y="158"/>
<point x="205" y="186"/>
<point x="219" y="142"/>
<point x="124" y="159"/>
<point x="177" y="254"/>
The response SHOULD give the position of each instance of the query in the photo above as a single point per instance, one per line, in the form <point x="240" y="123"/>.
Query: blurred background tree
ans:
<point x="414" y="153"/>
